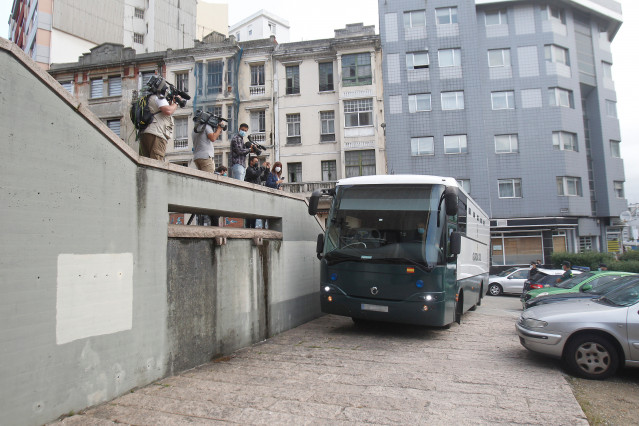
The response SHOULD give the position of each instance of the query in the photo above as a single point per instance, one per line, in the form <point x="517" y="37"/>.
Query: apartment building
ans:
<point x="329" y="107"/>
<point x="262" y="24"/>
<point x="514" y="99"/>
<point x="60" y="31"/>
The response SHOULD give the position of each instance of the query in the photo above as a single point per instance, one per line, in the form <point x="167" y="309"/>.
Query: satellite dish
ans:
<point x="626" y="216"/>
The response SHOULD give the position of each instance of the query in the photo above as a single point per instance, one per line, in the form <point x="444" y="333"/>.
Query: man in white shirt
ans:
<point x="203" y="137"/>
<point x="154" y="138"/>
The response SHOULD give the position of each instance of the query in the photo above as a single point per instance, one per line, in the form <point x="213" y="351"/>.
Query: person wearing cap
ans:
<point x="533" y="270"/>
<point x="602" y="267"/>
<point x="565" y="265"/>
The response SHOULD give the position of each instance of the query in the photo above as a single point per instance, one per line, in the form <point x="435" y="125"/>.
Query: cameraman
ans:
<point x="154" y="138"/>
<point x="203" y="138"/>
<point x="239" y="153"/>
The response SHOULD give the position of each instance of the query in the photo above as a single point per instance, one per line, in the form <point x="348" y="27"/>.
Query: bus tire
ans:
<point x="481" y="294"/>
<point x="459" y="309"/>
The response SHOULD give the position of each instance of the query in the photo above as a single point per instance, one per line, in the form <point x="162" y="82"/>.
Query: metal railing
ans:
<point x="257" y="90"/>
<point x="180" y="143"/>
<point x="259" y="137"/>
<point x="307" y="187"/>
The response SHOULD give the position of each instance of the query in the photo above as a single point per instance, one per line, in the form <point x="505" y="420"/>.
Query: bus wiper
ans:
<point x="333" y="257"/>
<point x="425" y="268"/>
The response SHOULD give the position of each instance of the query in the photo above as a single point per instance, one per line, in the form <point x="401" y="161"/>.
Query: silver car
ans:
<point x="593" y="338"/>
<point x="512" y="280"/>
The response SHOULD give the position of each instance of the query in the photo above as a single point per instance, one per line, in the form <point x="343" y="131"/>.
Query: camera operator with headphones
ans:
<point x="155" y="137"/>
<point x="203" y="138"/>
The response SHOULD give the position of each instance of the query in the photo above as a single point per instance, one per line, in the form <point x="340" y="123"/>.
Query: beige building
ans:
<point x="211" y="17"/>
<point x="329" y="111"/>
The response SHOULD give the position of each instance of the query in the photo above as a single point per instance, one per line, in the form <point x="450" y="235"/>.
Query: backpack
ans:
<point x="141" y="114"/>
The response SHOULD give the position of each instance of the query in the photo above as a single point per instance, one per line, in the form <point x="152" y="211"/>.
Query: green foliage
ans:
<point x="625" y="266"/>
<point x="629" y="255"/>
<point x="590" y="259"/>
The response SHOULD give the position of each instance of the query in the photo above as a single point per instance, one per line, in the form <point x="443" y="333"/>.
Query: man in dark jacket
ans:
<point x="253" y="172"/>
<point x="533" y="270"/>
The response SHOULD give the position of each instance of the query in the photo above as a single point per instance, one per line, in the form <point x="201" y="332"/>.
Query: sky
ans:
<point x="316" y="20"/>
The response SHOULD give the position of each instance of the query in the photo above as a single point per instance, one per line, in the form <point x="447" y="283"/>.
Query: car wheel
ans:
<point x="494" y="289"/>
<point x="591" y="357"/>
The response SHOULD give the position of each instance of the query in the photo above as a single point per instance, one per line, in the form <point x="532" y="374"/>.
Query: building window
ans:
<point x="619" y="192"/>
<point x="611" y="108"/>
<point x="356" y="69"/>
<point x="181" y="138"/>
<point x="326" y="77"/>
<point x="294" y="172"/>
<point x="455" y="144"/>
<point x="293" y="129"/>
<point x="422" y="146"/>
<point x="585" y="244"/>
<point x="214" y="72"/>
<point x="414" y="19"/>
<point x="329" y="170"/>
<point x="96" y="88"/>
<point x="138" y="38"/>
<point x="452" y="100"/>
<point x="257" y="75"/>
<point x="503" y="100"/>
<point x="607" y="70"/>
<point x="506" y="144"/>
<point x="327" y="131"/>
<point x="358" y="113"/>
<point x="258" y="123"/>
<point x="496" y="17"/>
<point x="499" y="58"/>
<point x="217" y="159"/>
<point x="292" y="80"/>
<point x="560" y="97"/>
<point x="359" y="163"/>
<point x="509" y="188"/>
<point x="231" y="124"/>
<point x="214" y="109"/>
<point x="139" y="13"/>
<point x="449" y="58"/>
<point x="67" y="85"/>
<point x="199" y="78"/>
<point x="417" y="60"/>
<point x="446" y="15"/>
<point x="569" y="186"/>
<point x="564" y="141"/>
<point x="554" y="12"/>
<point x="556" y="54"/>
<point x="419" y="102"/>
<point x="237" y="36"/>
<point x="272" y="28"/>
<point x="464" y="184"/>
<point x="115" y="86"/>
<point x="615" y="151"/>
<point x="230" y="72"/>
<point x="182" y="81"/>
<point x="114" y="125"/>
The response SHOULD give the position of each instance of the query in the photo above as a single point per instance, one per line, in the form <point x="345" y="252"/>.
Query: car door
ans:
<point x="633" y="331"/>
<point x="515" y="281"/>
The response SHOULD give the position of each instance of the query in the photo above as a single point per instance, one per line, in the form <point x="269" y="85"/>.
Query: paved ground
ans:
<point x="332" y="372"/>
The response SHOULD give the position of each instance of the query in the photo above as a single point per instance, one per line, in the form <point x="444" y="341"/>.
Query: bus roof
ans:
<point x="398" y="179"/>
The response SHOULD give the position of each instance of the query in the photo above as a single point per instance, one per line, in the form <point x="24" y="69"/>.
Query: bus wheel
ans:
<point x="481" y="295"/>
<point x="459" y="308"/>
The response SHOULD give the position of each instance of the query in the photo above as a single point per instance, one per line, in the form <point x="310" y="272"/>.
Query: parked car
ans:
<point x="592" y="337"/>
<point x="571" y="285"/>
<point x="592" y="290"/>
<point x="512" y="280"/>
<point x="547" y="278"/>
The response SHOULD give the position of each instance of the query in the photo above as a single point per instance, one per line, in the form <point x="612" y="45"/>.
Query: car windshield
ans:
<point x="570" y="283"/>
<point x="625" y="296"/>
<point x="386" y="223"/>
<point x="506" y="272"/>
<point x="608" y="283"/>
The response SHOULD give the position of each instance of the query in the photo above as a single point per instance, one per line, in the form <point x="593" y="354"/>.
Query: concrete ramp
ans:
<point x="98" y="293"/>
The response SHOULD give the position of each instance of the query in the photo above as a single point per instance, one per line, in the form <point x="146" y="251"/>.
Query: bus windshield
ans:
<point x="386" y="223"/>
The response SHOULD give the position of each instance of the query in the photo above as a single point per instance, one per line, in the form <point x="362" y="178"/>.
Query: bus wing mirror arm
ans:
<point x="450" y="197"/>
<point x="320" y="246"/>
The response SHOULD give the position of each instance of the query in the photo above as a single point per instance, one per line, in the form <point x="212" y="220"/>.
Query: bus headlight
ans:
<point x="327" y="289"/>
<point x="428" y="298"/>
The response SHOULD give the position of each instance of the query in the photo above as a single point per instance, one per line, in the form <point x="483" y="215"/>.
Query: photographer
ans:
<point x="239" y="153"/>
<point x="154" y="138"/>
<point x="266" y="170"/>
<point x="203" y="138"/>
<point x="253" y="172"/>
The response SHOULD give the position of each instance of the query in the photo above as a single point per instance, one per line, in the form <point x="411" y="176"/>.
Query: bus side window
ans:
<point x="461" y="217"/>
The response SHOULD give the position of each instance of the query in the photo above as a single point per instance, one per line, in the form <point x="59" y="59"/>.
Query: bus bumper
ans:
<point x="406" y="312"/>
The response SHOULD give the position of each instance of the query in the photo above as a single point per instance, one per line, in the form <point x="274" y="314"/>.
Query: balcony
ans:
<point x="258" y="137"/>
<point x="307" y="188"/>
<point x="180" y="143"/>
<point x="257" y="90"/>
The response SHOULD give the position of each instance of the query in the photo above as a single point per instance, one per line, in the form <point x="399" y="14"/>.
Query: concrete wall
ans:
<point x="99" y="294"/>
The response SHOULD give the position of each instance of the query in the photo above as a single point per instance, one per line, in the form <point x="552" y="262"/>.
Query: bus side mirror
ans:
<point x="455" y="243"/>
<point x="320" y="246"/>
<point x="450" y="196"/>
<point x="312" y="203"/>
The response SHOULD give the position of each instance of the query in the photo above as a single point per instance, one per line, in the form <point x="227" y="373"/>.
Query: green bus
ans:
<point x="408" y="249"/>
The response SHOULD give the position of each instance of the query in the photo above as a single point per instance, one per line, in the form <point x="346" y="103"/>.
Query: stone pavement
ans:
<point x="330" y="371"/>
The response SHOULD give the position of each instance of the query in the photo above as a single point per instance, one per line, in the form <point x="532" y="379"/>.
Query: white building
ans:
<point x="260" y="25"/>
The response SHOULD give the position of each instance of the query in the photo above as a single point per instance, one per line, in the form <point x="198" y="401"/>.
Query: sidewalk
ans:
<point x="331" y="372"/>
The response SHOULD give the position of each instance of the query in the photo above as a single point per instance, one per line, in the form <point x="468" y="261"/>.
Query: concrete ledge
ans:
<point x="183" y="231"/>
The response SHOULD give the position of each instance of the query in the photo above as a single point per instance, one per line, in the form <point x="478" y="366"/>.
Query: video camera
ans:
<point x="161" y="87"/>
<point x="257" y="148"/>
<point x="203" y="118"/>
